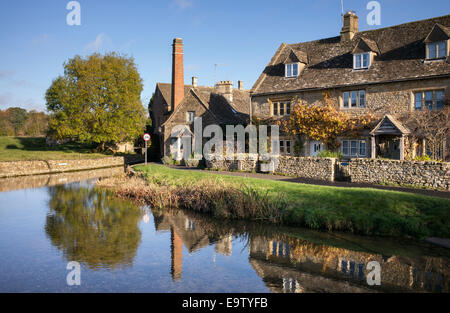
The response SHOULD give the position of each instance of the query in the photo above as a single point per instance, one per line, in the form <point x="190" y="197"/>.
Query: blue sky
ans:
<point x="240" y="36"/>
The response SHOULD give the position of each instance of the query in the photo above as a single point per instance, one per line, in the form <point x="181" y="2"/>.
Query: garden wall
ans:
<point x="24" y="168"/>
<point x="312" y="168"/>
<point x="415" y="173"/>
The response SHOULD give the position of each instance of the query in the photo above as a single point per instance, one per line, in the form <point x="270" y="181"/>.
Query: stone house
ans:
<point x="179" y="104"/>
<point x="389" y="72"/>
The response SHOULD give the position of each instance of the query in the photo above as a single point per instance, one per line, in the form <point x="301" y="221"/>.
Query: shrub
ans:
<point x="330" y="154"/>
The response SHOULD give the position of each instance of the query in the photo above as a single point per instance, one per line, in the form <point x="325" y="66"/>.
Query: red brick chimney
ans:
<point x="177" y="73"/>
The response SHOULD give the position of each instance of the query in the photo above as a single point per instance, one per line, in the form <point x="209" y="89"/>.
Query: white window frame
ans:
<point x="188" y="116"/>
<point x="358" y="148"/>
<point x="284" y="144"/>
<point x="358" y="99"/>
<point x="289" y="69"/>
<point x="360" y="56"/>
<point x="435" y="45"/>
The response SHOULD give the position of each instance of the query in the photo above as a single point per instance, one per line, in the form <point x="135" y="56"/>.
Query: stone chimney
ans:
<point x="350" y="27"/>
<point x="225" y="88"/>
<point x="177" y="73"/>
<point x="194" y="82"/>
<point x="240" y="85"/>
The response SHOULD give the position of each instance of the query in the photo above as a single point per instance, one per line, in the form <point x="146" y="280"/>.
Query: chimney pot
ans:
<point x="240" y="85"/>
<point x="350" y="27"/>
<point x="194" y="81"/>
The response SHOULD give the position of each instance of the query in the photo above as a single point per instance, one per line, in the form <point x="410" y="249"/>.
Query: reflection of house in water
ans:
<point x="294" y="265"/>
<point x="184" y="231"/>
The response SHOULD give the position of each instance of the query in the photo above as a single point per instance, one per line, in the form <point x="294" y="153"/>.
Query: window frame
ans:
<point x="289" y="70"/>
<point x="348" y="104"/>
<point x="434" y="100"/>
<point x="435" y="46"/>
<point x="360" y="57"/>
<point x="188" y="115"/>
<point x="347" y="144"/>
<point x="280" y="108"/>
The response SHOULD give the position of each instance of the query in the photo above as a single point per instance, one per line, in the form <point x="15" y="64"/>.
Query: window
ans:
<point x="361" y="60"/>
<point x="354" y="148"/>
<point x="354" y="99"/>
<point x="362" y="148"/>
<point x="282" y="108"/>
<point x="285" y="147"/>
<point x="190" y="117"/>
<point x="288" y="108"/>
<point x="291" y="70"/>
<point x="437" y="50"/>
<point x="430" y="99"/>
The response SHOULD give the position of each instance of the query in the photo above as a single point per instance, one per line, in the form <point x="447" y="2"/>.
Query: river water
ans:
<point x="46" y="222"/>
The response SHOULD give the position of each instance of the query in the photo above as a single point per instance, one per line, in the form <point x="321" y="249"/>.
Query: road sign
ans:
<point x="146" y="137"/>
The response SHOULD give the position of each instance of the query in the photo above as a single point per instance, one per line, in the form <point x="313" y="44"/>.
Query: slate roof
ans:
<point x="225" y="112"/>
<point x="401" y="57"/>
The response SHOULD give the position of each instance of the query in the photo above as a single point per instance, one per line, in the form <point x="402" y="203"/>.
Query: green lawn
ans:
<point x="359" y="210"/>
<point x="29" y="148"/>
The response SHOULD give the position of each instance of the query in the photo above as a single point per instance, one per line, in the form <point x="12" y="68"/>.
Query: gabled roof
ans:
<point x="166" y="91"/>
<point x="366" y="45"/>
<point x="389" y="125"/>
<point x="439" y="33"/>
<point x="330" y="63"/>
<point x="222" y="110"/>
<point x="296" y="56"/>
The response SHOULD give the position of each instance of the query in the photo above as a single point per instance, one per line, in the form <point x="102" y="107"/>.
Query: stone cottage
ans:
<point x="389" y="72"/>
<point x="179" y="104"/>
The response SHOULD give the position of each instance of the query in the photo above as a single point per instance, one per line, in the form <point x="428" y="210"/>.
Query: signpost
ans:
<point x="146" y="138"/>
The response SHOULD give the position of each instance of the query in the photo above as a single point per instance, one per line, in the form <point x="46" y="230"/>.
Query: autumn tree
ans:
<point x="317" y="122"/>
<point x="97" y="100"/>
<point x="431" y="125"/>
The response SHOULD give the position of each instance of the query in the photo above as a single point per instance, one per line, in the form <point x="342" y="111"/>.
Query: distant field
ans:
<point x="30" y="148"/>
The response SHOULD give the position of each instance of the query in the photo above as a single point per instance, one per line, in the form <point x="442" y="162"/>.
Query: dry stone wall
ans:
<point x="24" y="168"/>
<point x="415" y="173"/>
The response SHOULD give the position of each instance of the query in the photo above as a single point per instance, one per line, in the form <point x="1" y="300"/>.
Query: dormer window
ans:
<point x="437" y="50"/>
<point x="361" y="60"/>
<point x="291" y="70"/>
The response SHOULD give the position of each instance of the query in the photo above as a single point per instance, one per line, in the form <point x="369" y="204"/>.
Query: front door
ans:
<point x="315" y="148"/>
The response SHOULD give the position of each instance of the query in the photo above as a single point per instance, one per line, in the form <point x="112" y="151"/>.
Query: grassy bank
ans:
<point x="357" y="210"/>
<point x="35" y="148"/>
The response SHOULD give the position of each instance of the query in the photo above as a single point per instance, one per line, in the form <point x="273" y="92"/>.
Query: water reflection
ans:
<point x="92" y="227"/>
<point x="288" y="263"/>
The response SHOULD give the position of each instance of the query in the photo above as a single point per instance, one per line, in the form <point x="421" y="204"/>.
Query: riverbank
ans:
<point x="357" y="210"/>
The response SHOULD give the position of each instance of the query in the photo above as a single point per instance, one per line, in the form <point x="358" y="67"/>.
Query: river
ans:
<point x="48" y="221"/>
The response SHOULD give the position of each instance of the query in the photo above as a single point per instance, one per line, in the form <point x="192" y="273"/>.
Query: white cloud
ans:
<point x="6" y="74"/>
<point x="183" y="4"/>
<point x="98" y="43"/>
<point x="6" y="99"/>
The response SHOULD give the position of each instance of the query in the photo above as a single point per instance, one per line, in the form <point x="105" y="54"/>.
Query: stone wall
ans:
<point x="426" y="174"/>
<point x="312" y="168"/>
<point x="247" y="163"/>
<point x="24" y="168"/>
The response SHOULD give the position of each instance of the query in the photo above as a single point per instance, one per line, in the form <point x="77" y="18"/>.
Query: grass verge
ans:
<point x="358" y="210"/>
<point x="35" y="148"/>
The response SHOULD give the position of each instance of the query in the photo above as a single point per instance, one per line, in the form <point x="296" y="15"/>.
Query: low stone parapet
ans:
<point x="24" y="168"/>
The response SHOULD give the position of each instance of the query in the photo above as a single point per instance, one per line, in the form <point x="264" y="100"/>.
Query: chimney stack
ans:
<point x="240" y="85"/>
<point x="350" y="27"/>
<point x="194" y="82"/>
<point x="177" y="73"/>
<point x="225" y="88"/>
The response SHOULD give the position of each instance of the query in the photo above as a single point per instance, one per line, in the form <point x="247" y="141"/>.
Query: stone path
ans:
<point x="427" y="192"/>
